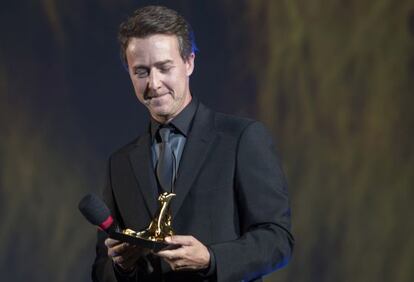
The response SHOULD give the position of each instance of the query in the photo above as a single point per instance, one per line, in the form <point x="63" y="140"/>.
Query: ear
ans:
<point x="189" y="64"/>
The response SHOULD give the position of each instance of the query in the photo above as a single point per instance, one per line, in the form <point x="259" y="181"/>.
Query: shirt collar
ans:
<point x="182" y="122"/>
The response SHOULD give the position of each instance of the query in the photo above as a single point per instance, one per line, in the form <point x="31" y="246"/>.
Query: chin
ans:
<point x="162" y="113"/>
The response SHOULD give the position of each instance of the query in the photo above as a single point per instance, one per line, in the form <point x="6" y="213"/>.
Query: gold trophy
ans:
<point x="153" y="237"/>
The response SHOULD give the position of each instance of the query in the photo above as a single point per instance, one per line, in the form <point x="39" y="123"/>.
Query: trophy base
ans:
<point x="138" y="241"/>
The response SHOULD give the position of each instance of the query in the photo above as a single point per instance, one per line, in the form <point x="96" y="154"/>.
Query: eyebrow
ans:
<point x="162" y="63"/>
<point x="157" y="64"/>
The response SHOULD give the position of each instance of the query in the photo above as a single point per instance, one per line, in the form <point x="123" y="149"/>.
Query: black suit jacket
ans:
<point x="231" y="195"/>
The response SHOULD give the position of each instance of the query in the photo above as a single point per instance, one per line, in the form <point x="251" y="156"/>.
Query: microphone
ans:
<point x="97" y="213"/>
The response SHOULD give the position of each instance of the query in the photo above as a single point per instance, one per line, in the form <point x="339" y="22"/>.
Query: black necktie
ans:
<point x="165" y="164"/>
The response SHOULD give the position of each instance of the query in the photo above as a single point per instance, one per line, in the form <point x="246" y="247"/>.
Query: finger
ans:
<point x="118" y="249"/>
<point x="180" y="240"/>
<point x="168" y="254"/>
<point x="171" y="254"/>
<point x="126" y="262"/>
<point x="134" y="253"/>
<point x="118" y="259"/>
<point x="127" y="259"/>
<point x="130" y="256"/>
<point x="109" y="242"/>
<point x="183" y="267"/>
<point x="128" y="266"/>
<point x="174" y="264"/>
<point x="180" y="266"/>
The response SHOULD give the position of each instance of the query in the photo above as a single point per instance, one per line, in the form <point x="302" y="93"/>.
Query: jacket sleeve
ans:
<point x="103" y="269"/>
<point x="265" y="243"/>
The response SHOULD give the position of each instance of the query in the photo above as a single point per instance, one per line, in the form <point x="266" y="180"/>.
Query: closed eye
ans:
<point x="164" y="66"/>
<point x="142" y="72"/>
<point x="165" y="69"/>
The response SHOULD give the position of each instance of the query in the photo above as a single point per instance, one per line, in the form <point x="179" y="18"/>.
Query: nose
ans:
<point x="154" y="80"/>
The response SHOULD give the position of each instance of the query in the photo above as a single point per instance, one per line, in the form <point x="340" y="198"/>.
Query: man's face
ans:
<point x="159" y="75"/>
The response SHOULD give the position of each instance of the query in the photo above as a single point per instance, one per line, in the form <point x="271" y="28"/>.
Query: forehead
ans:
<point x="153" y="48"/>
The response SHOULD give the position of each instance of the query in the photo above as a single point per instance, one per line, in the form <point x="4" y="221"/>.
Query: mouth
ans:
<point x="156" y="96"/>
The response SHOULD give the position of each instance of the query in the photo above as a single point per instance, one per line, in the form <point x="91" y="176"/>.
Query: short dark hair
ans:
<point x="152" y="20"/>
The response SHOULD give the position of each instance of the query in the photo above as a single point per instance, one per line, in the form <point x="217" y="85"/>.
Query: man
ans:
<point x="231" y="212"/>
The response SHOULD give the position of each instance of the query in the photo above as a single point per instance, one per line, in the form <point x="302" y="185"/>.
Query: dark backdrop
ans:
<point x="333" y="81"/>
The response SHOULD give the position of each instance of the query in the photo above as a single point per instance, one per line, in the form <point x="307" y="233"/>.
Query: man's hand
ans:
<point x="124" y="254"/>
<point x="190" y="255"/>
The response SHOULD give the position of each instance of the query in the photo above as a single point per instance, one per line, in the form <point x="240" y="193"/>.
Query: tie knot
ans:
<point x="164" y="133"/>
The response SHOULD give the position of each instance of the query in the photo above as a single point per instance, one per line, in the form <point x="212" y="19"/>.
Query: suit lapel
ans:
<point x="196" y="149"/>
<point x="140" y="158"/>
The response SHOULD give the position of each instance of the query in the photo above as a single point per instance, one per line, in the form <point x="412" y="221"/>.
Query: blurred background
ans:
<point x="332" y="80"/>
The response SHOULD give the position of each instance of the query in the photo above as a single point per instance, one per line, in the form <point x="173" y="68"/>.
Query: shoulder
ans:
<point x="230" y="123"/>
<point x="223" y="123"/>
<point x="238" y="126"/>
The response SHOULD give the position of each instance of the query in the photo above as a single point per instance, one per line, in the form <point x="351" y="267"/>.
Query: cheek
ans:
<point x="176" y="82"/>
<point x="139" y="87"/>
